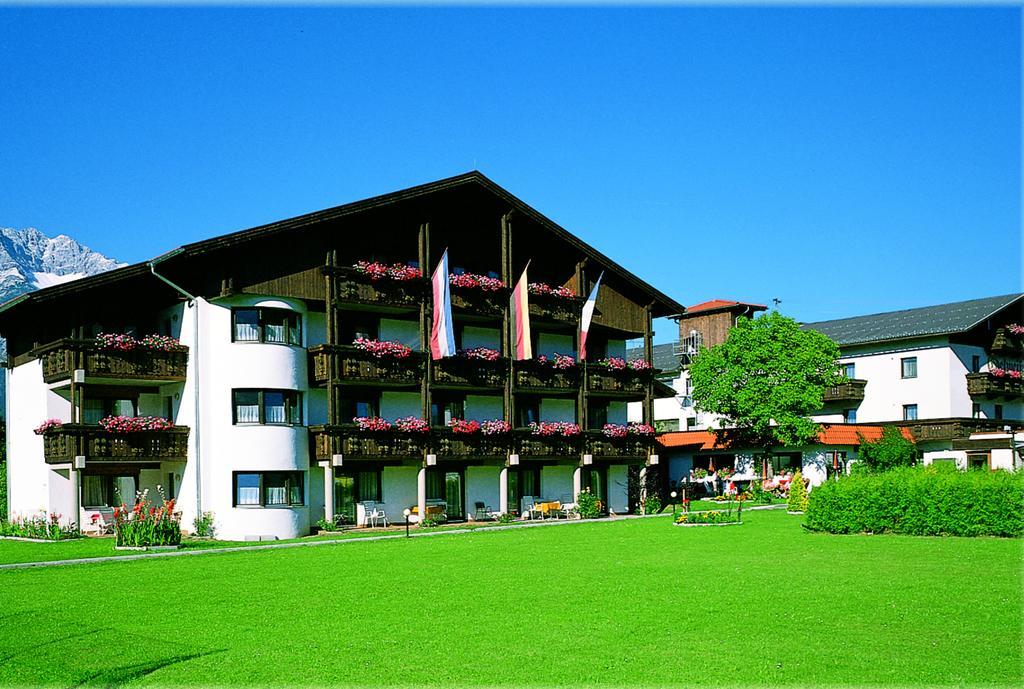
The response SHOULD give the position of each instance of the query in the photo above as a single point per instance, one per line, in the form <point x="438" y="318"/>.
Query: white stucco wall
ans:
<point x="618" y="488"/>
<point x="398" y="491"/>
<point x="557" y="409"/>
<point x="474" y="336"/>
<point x="556" y="481"/>
<point x="484" y="407"/>
<point x="482" y="486"/>
<point x="405" y="331"/>
<point x="549" y="344"/>
<point x="397" y="405"/>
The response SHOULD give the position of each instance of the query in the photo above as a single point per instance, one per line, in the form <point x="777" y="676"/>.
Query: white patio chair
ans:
<point x="378" y="515"/>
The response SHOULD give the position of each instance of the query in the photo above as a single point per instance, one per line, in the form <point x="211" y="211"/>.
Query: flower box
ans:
<point x="551" y="307"/>
<point x="61" y="445"/>
<point x="352" y="285"/>
<point x="471" y="372"/>
<point x="479" y="301"/>
<point x="352" y="443"/>
<point x="448" y="443"/>
<point x="538" y="374"/>
<point x="529" y="444"/>
<point x="162" y="359"/>
<point x="348" y="363"/>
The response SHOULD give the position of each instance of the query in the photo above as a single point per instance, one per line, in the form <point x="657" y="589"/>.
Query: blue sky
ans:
<point x="843" y="160"/>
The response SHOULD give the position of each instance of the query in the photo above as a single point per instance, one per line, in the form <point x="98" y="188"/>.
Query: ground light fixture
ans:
<point x="407" y="512"/>
<point x="673" y="494"/>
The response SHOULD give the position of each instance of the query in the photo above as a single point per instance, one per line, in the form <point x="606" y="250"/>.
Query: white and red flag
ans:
<point x="522" y="344"/>
<point x="588" y="315"/>
<point x="442" y="334"/>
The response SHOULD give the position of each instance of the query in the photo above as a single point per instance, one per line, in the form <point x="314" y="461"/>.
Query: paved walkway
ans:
<point x="322" y="542"/>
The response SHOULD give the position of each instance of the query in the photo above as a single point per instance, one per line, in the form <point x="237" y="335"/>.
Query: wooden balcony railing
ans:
<point x="1006" y="345"/>
<point x="627" y="381"/>
<point x="471" y="372"/>
<point x="532" y="374"/>
<point x="956" y="428"/>
<point x="559" y="309"/>
<point x="480" y="302"/>
<point x="987" y="385"/>
<point x="447" y="444"/>
<point x="349" y="364"/>
<point x="62" y="444"/>
<point x="630" y="447"/>
<point x="60" y="359"/>
<point x="546" y="446"/>
<point x="352" y="443"/>
<point x="851" y="390"/>
<point x="353" y="287"/>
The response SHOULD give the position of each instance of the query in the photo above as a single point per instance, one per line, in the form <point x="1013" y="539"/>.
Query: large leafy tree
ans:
<point x="766" y="379"/>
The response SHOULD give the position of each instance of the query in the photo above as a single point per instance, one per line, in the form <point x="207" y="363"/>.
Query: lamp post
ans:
<point x="673" y="494"/>
<point x="407" y="512"/>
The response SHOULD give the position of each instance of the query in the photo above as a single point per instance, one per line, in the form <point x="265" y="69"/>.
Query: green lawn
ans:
<point x="637" y="602"/>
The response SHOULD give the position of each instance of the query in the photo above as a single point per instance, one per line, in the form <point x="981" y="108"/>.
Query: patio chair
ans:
<point x="377" y="514"/>
<point x="529" y="508"/>
<point x="482" y="512"/>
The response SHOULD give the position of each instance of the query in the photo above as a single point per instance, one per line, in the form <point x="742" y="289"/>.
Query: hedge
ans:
<point x="921" y="501"/>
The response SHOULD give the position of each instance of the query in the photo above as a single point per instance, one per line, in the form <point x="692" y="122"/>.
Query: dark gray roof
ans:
<point x="943" y="319"/>
<point x="664" y="358"/>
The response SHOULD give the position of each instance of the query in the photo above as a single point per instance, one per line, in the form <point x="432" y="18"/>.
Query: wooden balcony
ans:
<point x="61" y="445"/>
<point x="353" y="288"/>
<point x="988" y="386"/>
<point x="476" y="446"/>
<point x="532" y="375"/>
<point x="352" y="443"/>
<point x="472" y="373"/>
<point x="556" y="309"/>
<point x="347" y="364"/>
<point x="60" y="360"/>
<point x="1006" y="345"/>
<point x="852" y="390"/>
<point x="530" y="446"/>
<point x="625" y="382"/>
<point x="479" y="304"/>
<point x="926" y="430"/>
<point x="632" y="447"/>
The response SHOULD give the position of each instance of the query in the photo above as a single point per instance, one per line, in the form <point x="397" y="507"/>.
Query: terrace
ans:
<point x="347" y="364"/>
<point x="351" y="442"/>
<point x="62" y="444"/>
<point x="61" y="359"/>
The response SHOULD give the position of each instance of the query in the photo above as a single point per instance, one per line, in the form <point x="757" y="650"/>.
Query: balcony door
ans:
<point x="107" y="490"/>
<point x="596" y="479"/>
<point x="448" y="485"/>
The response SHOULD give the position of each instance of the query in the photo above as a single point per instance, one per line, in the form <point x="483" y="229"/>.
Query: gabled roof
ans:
<point x="663" y="304"/>
<point x="942" y="319"/>
<point x="723" y="305"/>
<point x="831" y="434"/>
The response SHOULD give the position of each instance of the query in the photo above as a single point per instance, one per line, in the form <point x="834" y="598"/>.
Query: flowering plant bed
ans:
<point x="412" y="424"/>
<point x="1015" y="329"/>
<point x="555" y="428"/>
<point x="41" y="527"/>
<point x="147" y="525"/>
<point x="492" y="427"/>
<point x="709" y="518"/>
<point x="48" y="425"/>
<point x="121" y="342"/>
<point x="463" y="427"/>
<point x="997" y="372"/>
<point x="484" y="283"/>
<point x="559" y="362"/>
<point x="373" y="424"/>
<point x="496" y="427"/>
<point x="614" y="430"/>
<point x="134" y="424"/>
<point x="383" y="349"/>
<point x="542" y="289"/>
<point x="480" y="354"/>
<point x="399" y="272"/>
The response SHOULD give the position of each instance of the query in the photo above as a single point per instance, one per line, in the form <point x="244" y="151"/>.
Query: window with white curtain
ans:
<point x="269" y="489"/>
<point x="267" y="406"/>
<point x="276" y="326"/>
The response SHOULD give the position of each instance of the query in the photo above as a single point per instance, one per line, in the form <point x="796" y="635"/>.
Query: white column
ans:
<point x="643" y="485"/>
<point x="577" y="483"/>
<point x="76" y="497"/>
<point x="328" y="491"/>
<point x="503" y="490"/>
<point x="421" y="492"/>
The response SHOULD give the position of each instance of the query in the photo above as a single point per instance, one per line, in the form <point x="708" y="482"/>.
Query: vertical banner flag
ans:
<point x="442" y="334"/>
<point x="588" y="315"/>
<point x="522" y="343"/>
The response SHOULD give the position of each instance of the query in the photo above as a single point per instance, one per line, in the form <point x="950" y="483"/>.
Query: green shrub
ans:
<point x="890" y="451"/>
<point x="757" y="493"/>
<point x="322" y="523"/>
<point x="42" y="526"/>
<point x="928" y="501"/>
<point x="587" y="504"/>
<point x="433" y="520"/>
<point x="652" y="505"/>
<point x="505" y="518"/>
<point x="797" y="493"/>
<point x="203" y="525"/>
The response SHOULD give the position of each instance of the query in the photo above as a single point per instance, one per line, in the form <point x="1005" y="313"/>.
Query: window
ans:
<point x="106" y="490"/>
<point x="366" y="406"/>
<point x="96" y="408"/>
<point x="666" y="425"/>
<point x="977" y="460"/>
<point x="279" y="326"/>
<point x="597" y="414"/>
<point x="910" y="412"/>
<point x="268" y="489"/>
<point x="998" y="411"/>
<point x="976" y="410"/>
<point x="528" y="411"/>
<point x="267" y="406"/>
<point x="169" y="408"/>
<point x="691" y="422"/>
<point x="445" y="408"/>
<point x="849" y="370"/>
<point x="352" y="330"/>
<point x="975" y="364"/>
<point x="849" y="416"/>
<point x="909" y="367"/>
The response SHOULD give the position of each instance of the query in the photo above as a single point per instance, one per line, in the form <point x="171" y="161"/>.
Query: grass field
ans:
<point x="636" y="602"/>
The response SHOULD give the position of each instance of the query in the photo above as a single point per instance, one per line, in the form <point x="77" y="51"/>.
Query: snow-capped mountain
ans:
<point x="29" y="260"/>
